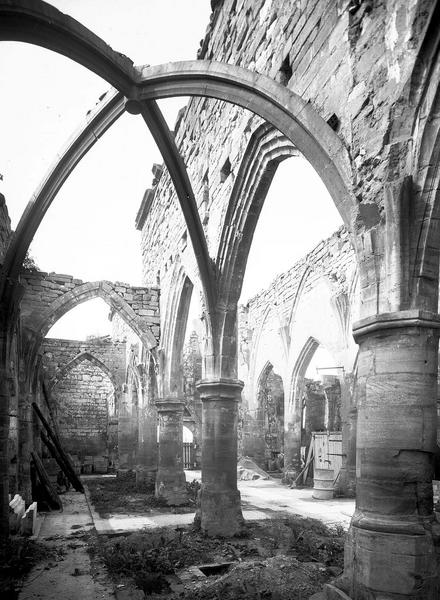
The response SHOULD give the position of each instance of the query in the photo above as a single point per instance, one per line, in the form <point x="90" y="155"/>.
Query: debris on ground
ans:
<point x="280" y="559"/>
<point x="248" y="470"/>
<point x="18" y="555"/>
<point x="122" y="495"/>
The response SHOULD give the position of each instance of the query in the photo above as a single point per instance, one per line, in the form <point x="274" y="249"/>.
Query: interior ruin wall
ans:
<point x="84" y="396"/>
<point x="42" y="289"/>
<point x="318" y="50"/>
<point x="82" y="401"/>
<point x="58" y="353"/>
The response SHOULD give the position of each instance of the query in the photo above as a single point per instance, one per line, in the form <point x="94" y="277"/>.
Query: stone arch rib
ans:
<point x="264" y="373"/>
<point x="284" y="109"/>
<point x="179" y="176"/>
<point x="267" y="147"/>
<point x="97" y="123"/>
<point x="88" y="291"/>
<point x="77" y="360"/>
<point x="300" y="368"/>
<point x="175" y="322"/>
<point x="39" y="23"/>
<point x="298" y="295"/>
<point x="36" y="22"/>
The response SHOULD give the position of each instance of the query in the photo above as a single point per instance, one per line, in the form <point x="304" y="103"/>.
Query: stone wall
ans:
<point x="349" y="60"/>
<point x="321" y="51"/>
<point x="317" y="298"/>
<point x="47" y="296"/>
<point x="82" y="406"/>
<point x="270" y="37"/>
<point x="58" y="353"/>
<point x="85" y="379"/>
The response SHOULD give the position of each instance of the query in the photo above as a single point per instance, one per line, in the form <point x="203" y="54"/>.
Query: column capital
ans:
<point x="169" y="405"/>
<point x="396" y="320"/>
<point x="221" y="388"/>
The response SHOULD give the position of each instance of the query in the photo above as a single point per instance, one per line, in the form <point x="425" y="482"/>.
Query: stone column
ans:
<point x="24" y="443"/>
<point x="220" y="509"/>
<point x="391" y="547"/>
<point x="4" y="447"/>
<point x="347" y="476"/>
<point x="170" y="479"/>
<point x="292" y="443"/>
<point x="127" y="442"/>
<point x="146" y="467"/>
<point x="332" y="391"/>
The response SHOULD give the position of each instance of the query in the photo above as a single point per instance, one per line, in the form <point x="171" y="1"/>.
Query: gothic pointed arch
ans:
<point x="40" y="322"/>
<point x="299" y="370"/>
<point x="267" y="147"/>
<point x="77" y="360"/>
<point x="39" y="23"/>
<point x="175" y="321"/>
<point x="296" y="119"/>
<point x="425" y="91"/>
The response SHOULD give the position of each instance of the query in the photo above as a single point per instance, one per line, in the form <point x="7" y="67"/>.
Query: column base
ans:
<point x="392" y="566"/>
<point x="171" y="487"/>
<point x="346" y="484"/>
<point x="219" y="513"/>
<point x="146" y="476"/>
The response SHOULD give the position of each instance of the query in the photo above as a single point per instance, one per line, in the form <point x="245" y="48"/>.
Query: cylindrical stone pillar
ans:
<point x="170" y="478"/>
<point x="391" y="549"/>
<point x="292" y="443"/>
<point x="347" y="474"/>
<point x="220" y="510"/>
<point x="146" y="467"/>
<point x="127" y="433"/>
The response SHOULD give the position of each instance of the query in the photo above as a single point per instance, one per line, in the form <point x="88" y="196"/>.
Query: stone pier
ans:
<point x="170" y="478"/>
<point x="392" y="549"/>
<point x="220" y="510"/>
<point x="146" y="462"/>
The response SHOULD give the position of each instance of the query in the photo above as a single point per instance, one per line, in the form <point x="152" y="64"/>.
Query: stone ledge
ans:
<point x="396" y="320"/>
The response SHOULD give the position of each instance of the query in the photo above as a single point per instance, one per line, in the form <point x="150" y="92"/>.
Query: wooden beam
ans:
<point x="51" y="492"/>
<point x="68" y="467"/>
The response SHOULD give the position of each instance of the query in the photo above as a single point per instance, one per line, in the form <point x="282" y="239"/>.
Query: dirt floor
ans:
<point x="280" y="558"/>
<point x="17" y="557"/>
<point x="121" y="495"/>
<point x="286" y="558"/>
<point x="66" y="571"/>
<point x="83" y="555"/>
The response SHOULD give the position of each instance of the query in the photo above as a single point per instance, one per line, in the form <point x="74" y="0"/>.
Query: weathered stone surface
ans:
<point x="170" y="479"/>
<point x="220" y="511"/>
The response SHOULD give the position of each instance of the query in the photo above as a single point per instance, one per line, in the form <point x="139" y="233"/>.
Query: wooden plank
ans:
<point x="68" y="467"/>
<point x="54" y="452"/>
<point x="335" y="452"/>
<point x="51" y="492"/>
<point x="322" y="460"/>
<point x="308" y="461"/>
<point x="293" y="484"/>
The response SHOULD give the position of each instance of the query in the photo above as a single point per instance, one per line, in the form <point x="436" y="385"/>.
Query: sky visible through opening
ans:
<point x="89" y="230"/>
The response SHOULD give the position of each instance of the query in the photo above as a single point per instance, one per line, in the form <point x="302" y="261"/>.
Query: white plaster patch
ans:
<point x="391" y="38"/>
<point x="264" y="10"/>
